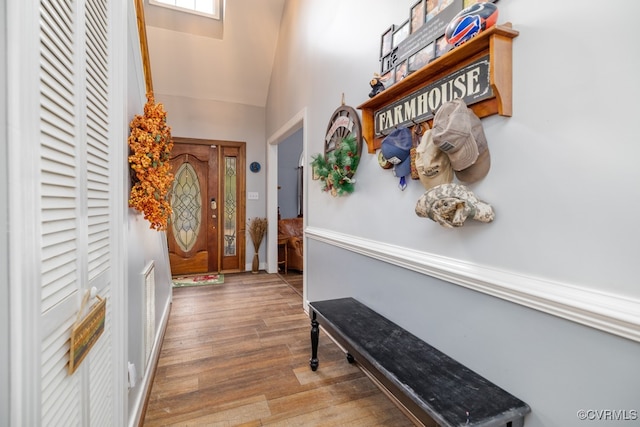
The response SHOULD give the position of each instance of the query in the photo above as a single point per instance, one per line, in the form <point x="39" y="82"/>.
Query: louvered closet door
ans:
<point x="98" y="199"/>
<point x="75" y="200"/>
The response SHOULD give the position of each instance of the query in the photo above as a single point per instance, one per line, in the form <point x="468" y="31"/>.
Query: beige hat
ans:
<point x="458" y="132"/>
<point x="480" y="168"/>
<point x="432" y="164"/>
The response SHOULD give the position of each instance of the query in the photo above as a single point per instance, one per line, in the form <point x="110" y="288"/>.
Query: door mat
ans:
<point x="199" y="280"/>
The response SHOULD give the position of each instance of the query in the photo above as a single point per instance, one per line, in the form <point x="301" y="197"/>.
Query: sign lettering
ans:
<point x="470" y="83"/>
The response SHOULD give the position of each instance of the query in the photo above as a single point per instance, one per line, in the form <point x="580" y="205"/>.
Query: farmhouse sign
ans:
<point x="478" y="71"/>
<point x="470" y="83"/>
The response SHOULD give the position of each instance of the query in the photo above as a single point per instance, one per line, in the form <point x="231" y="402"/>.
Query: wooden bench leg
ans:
<point x="315" y="333"/>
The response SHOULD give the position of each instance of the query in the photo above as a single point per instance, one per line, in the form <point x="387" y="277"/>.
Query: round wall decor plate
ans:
<point x="254" y="167"/>
<point x="344" y="122"/>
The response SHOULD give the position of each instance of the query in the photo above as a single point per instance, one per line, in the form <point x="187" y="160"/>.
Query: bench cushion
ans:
<point x="450" y="393"/>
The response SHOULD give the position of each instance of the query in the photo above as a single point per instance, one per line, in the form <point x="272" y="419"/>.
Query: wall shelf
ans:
<point x="494" y="42"/>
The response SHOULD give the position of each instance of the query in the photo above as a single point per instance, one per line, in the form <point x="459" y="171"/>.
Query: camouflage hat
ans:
<point x="458" y="132"/>
<point x="451" y="204"/>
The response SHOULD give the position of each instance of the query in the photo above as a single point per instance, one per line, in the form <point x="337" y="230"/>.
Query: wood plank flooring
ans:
<point x="293" y="279"/>
<point x="237" y="354"/>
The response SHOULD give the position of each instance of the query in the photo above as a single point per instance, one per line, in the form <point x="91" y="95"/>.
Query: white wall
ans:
<point x="563" y="183"/>
<point x="4" y="231"/>
<point x="144" y="246"/>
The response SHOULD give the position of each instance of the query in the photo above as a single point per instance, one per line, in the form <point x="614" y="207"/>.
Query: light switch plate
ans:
<point x="252" y="195"/>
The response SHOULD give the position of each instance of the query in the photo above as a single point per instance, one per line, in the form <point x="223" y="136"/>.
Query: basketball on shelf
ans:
<point x="470" y="22"/>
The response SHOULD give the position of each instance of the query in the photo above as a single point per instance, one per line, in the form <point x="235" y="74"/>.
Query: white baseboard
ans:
<point x="147" y="380"/>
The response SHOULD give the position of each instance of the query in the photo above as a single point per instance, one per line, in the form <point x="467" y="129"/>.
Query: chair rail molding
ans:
<point x="612" y="313"/>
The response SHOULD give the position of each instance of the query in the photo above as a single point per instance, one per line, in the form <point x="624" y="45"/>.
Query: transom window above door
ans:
<point x="208" y="8"/>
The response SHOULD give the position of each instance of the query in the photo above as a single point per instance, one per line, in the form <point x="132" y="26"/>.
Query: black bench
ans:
<point x="432" y="386"/>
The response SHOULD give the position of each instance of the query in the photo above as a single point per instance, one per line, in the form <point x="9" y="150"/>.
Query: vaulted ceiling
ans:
<point x="196" y="57"/>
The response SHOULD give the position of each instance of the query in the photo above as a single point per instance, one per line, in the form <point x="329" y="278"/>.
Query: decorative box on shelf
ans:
<point x="478" y="71"/>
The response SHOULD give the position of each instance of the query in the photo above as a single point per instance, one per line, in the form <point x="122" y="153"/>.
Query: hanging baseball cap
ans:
<point x="480" y="168"/>
<point x="458" y="132"/>
<point x="432" y="164"/>
<point x="396" y="149"/>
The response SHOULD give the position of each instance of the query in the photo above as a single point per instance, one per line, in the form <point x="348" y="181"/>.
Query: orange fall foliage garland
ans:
<point x="150" y="143"/>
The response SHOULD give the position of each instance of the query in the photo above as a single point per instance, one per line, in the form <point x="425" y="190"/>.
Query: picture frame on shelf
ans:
<point x="386" y="41"/>
<point x="421" y="58"/>
<point x="411" y="37"/>
<point x="388" y="79"/>
<point x="467" y="3"/>
<point x="401" y="71"/>
<point x="434" y="7"/>
<point x="400" y="33"/>
<point x="386" y="63"/>
<point x="418" y="15"/>
<point x="442" y="47"/>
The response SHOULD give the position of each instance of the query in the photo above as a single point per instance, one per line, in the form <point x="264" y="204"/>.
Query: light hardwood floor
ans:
<point x="237" y="354"/>
<point x="294" y="279"/>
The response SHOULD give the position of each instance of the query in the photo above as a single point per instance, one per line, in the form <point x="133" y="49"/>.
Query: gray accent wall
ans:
<point x="289" y="152"/>
<point x="556" y="366"/>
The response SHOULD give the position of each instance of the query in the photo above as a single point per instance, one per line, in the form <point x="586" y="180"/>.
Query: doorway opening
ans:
<point x="290" y="176"/>
<point x="207" y="231"/>
<point x="296" y="125"/>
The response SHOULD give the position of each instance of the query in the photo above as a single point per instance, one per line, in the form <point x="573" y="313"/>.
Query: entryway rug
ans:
<point x="198" y="280"/>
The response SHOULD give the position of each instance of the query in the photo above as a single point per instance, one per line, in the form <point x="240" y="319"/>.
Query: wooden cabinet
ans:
<point x="492" y="47"/>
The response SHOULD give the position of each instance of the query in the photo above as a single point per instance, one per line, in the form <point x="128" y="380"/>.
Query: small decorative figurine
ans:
<point x="376" y="86"/>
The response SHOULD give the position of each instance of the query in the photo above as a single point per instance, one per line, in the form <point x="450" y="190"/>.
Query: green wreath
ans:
<point x="336" y="169"/>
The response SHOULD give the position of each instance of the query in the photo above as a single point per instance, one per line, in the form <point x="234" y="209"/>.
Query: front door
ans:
<point x="207" y="228"/>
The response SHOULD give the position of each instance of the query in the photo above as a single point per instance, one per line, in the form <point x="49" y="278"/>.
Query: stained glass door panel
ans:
<point x="186" y="201"/>
<point x="187" y="235"/>
<point x="232" y="209"/>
